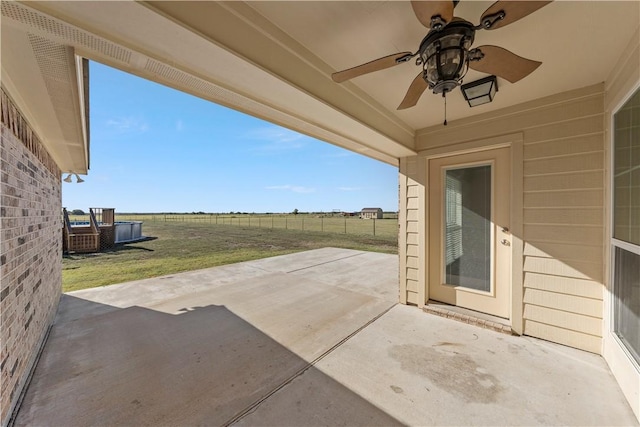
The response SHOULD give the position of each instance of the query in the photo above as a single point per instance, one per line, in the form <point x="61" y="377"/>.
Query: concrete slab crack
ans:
<point x="251" y="408"/>
<point x="323" y="263"/>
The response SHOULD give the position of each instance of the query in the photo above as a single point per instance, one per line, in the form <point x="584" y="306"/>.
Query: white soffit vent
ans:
<point x="68" y="34"/>
<point x="57" y="66"/>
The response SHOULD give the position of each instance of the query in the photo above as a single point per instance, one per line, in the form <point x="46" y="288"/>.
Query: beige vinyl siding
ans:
<point x="409" y="229"/>
<point x="563" y="285"/>
<point x="562" y="335"/>
<point x="412" y="298"/>
<point x="567" y="320"/>
<point x="563" y="215"/>
<point x="563" y="208"/>
<point x="552" y="215"/>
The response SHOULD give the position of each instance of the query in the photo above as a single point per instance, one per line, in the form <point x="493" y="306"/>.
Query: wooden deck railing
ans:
<point x="83" y="239"/>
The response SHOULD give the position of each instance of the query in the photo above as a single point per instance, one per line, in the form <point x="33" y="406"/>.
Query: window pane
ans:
<point x="626" y="171"/>
<point x="626" y="291"/>
<point x="468" y="227"/>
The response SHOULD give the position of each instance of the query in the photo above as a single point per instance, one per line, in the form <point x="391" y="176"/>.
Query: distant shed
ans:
<point x="371" y="213"/>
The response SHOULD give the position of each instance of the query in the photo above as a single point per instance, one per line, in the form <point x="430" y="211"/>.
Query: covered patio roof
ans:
<point x="274" y="59"/>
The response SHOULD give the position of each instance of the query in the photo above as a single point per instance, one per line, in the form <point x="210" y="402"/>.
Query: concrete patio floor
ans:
<point x="313" y="338"/>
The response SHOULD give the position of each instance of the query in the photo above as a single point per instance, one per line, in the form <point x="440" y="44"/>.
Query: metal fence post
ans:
<point x="345" y="225"/>
<point x="374" y="226"/>
<point x="321" y="224"/>
<point x="285" y="223"/>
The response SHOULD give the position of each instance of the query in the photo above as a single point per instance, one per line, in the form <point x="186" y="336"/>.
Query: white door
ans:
<point x="469" y="238"/>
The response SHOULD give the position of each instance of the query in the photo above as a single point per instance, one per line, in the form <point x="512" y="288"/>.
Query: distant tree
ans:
<point x="295" y="211"/>
<point x="77" y="212"/>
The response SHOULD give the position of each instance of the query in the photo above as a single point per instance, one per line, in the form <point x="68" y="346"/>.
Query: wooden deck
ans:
<point x="94" y="237"/>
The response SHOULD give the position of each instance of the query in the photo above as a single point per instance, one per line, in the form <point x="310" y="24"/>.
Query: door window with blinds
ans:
<point x="626" y="225"/>
<point x="467" y="213"/>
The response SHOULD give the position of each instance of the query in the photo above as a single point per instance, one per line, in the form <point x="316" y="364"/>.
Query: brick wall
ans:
<point x="30" y="251"/>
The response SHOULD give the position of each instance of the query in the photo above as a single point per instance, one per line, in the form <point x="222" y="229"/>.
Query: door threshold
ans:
<point x="471" y="317"/>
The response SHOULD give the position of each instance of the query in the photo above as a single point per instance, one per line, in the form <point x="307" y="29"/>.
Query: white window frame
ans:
<point x="635" y="249"/>
<point x="622" y="364"/>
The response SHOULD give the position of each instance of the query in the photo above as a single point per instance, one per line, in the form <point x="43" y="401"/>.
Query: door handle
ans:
<point x="505" y="242"/>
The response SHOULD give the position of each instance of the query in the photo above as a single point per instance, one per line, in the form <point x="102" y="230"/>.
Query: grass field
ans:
<point x="182" y="246"/>
<point x="305" y="222"/>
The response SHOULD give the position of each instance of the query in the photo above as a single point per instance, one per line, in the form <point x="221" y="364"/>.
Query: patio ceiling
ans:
<point x="577" y="43"/>
<point x="274" y="59"/>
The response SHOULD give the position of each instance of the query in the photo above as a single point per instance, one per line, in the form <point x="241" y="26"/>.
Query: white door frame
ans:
<point x="515" y="142"/>
<point x="495" y="301"/>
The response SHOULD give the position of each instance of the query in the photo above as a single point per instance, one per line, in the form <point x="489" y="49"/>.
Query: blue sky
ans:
<point x="154" y="149"/>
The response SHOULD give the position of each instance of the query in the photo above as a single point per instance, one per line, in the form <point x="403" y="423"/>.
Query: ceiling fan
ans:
<point x="445" y="53"/>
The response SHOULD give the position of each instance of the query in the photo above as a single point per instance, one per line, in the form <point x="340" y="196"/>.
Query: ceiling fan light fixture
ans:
<point x="480" y="91"/>
<point x="444" y="55"/>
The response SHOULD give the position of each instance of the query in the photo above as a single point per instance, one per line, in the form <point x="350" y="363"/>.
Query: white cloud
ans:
<point x="294" y="188"/>
<point x="274" y="133"/>
<point x="128" y="124"/>
<point x="339" y="154"/>
<point x="276" y="139"/>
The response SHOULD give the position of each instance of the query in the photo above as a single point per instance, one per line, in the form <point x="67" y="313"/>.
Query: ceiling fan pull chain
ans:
<point x="444" y="95"/>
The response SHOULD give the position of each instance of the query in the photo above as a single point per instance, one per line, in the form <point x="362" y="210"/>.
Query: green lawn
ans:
<point x="305" y="222"/>
<point x="184" y="246"/>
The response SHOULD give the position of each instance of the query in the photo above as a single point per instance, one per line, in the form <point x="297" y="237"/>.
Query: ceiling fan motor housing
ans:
<point x="444" y="55"/>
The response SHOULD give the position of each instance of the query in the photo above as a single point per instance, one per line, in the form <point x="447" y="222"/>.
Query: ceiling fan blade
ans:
<point x="424" y="10"/>
<point x="503" y="63"/>
<point x="513" y="10"/>
<point x="417" y="88"/>
<point x="369" y="67"/>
